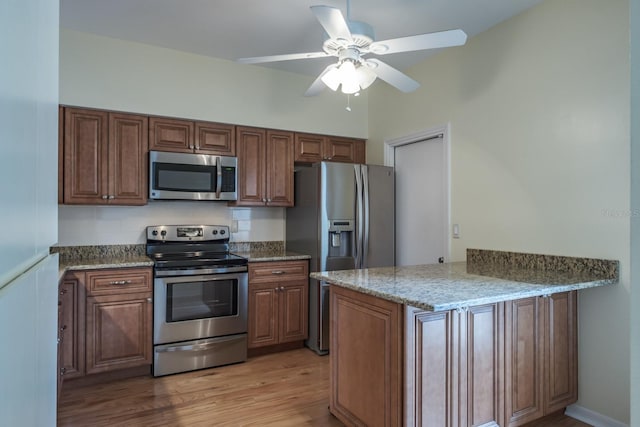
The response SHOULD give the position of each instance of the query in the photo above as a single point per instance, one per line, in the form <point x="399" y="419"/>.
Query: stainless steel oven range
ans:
<point x="200" y="298"/>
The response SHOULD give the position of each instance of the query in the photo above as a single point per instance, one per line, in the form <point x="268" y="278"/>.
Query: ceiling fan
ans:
<point x="350" y="41"/>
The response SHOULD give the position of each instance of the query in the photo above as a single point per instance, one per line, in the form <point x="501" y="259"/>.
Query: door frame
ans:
<point x="443" y="130"/>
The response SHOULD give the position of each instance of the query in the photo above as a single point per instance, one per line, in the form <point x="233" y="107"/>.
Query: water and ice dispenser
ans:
<point x="341" y="244"/>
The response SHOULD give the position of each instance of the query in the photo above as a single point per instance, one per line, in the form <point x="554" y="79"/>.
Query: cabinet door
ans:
<point x="481" y="363"/>
<point x="118" y="332"/>
<point x="71" y="294"/>
<point x="294" y="312"/>
<point x="250" y="145"/>
<point x="309" y="148"/>
<point x="279" y="168"/>
<point x="524" y="340"/>
<point x="366" y="359"/>
<point x="561" y="351"/>
<point x="60" y="155"/>
<point x="346" y="150"/>
<point x="262" y="315"/>
<point x="429" y="353"/>
<point x="215" y="138"/>
<point x="128" y="136"/>
<point x="173" y="135"/>
<point x="85" y="156"/>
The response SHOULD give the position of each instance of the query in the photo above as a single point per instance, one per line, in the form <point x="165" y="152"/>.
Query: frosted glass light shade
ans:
<point x="365" y="76"/>
<point x="332" y="78"/>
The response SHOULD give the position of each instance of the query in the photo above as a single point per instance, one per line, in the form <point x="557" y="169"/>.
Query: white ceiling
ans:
<point x="232" y="29"/>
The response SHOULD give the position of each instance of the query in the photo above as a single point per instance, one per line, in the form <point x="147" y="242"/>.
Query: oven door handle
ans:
<point x="196" y="347"/>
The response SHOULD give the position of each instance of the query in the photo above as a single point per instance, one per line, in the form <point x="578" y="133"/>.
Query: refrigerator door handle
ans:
<point x="359" y="218"/>
<point x="365" y="203"/>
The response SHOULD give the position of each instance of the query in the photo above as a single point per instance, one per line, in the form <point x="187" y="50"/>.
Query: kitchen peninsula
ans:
<point x="491" y="341"/>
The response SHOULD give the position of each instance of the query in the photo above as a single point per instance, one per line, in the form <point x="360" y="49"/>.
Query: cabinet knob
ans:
<point x="149" y="300"/>
<point x="111" y="197"/>
<point x="264" y="200"/>
<point x="105" y="197"/>
<point x="63" y="327"/>
<point x="281" y="288"/>
<point x="268" y="200"/>
<point x="63" y="291"/>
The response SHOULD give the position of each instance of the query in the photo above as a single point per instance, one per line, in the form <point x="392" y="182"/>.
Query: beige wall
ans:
<point x="114" y="74"/>
<point x="539" y="114"/>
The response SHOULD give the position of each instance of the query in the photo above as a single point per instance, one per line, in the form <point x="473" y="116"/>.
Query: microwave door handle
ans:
<point x="218" y="176"/>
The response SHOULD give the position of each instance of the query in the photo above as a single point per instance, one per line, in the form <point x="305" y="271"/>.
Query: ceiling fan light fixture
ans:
<point x="365" y="75"/>
<point x="332" y="78"/>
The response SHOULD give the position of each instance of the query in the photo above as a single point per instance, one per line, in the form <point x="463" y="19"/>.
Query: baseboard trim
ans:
<point x="590" y="417"/>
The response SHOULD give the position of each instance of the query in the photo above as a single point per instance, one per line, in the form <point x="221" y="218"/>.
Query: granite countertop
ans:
<point x="89" y="263"/>
<point x="441" y="287"/>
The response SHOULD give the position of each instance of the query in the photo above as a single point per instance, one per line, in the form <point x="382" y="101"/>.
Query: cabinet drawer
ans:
<point x="118" y="281"/>
<point x="278" y="271"/>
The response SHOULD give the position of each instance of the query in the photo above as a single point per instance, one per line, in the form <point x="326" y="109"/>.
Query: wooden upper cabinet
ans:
<point x="86" y="151"/>
<point x="104" y="157"/>
<point x="128" y="136"/>
<point x="265" y="167"/>
<point x="172" y="135"/>
<point x="215" y="138"/>
<point x="187" y="136"/>
<point x="346" y="150"/>
<point x="311" y="148"/>
<point x="279" y="168"/>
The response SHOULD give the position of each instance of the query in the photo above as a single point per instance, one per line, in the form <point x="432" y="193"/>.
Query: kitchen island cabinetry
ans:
<point x="104" y="157"/>
<point x="489" y="342"/>
<point x="541" y="358"/>
<point x="366" y="359"/>
<point x="187" y="136"/>
<point x="265" y="167"/>
<point x="312" y="148"/>
<point x="278" y="303"/>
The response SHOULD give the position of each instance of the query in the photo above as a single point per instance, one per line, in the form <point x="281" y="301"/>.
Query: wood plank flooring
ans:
<point x="283" y="389"/>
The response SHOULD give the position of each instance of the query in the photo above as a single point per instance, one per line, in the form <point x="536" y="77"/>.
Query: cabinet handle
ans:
<point x="120" y="282"/>
<point x="105" y="197"/>
<point x="63" y="371"/>
<point x="277" y="272"/>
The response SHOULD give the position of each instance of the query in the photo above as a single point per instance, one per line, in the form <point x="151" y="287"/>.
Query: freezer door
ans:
<point x="381" y="217"/>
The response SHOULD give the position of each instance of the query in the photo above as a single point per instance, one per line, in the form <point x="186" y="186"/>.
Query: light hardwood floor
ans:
<point x="283" y="389"/>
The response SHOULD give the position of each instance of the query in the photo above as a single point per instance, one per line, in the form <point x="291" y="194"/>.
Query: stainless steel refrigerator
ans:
<point x="344" y="219"/>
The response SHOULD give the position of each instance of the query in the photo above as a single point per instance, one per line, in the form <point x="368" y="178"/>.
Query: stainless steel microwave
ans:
<point x="186" y="176"/>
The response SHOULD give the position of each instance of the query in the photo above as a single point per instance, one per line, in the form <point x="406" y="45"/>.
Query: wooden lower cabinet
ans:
<point x="454" y="366"/>
<point x="541" y="357"/>
<point x="501" y="364"/>
<point x="118" y="332"/>
<point x="278" y="304"/>
<point x="366" y="359"/>
<point x="71" y="325"/>
<point x="105" y="320"/>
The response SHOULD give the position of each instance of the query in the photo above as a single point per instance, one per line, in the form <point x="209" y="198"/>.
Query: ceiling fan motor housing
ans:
<point x="362" y="36"/>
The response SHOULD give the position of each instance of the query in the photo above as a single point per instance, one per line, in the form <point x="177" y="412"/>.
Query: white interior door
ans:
<point x="421" y="202"/>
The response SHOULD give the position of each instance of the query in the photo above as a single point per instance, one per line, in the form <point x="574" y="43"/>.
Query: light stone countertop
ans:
<point x="272" y="255"/>
<point x="96" y="263"/>
<point x="442" y="287"/>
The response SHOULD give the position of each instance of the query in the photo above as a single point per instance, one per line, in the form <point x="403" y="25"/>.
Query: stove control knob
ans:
<point x="222" y="232"/>
<point x="163" y="233"/>
<point x="215" y="232"/>
<point x="154" y="232"/>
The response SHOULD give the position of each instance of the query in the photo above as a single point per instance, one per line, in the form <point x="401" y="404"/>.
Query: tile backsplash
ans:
<point x="117" y="225"/>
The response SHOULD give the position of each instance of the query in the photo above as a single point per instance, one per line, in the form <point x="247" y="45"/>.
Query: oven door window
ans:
<point x="202" y="300"/>
<point x="180" y="177"/>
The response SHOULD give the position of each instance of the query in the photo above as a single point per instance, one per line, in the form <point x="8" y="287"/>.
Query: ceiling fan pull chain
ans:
<point x="348" y="103"/>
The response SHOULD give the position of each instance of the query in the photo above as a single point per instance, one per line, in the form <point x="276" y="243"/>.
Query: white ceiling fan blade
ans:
<point x="394" y="77"/>
<point x="286" y="57"/>
<point x="318" y="85"/>
<point x="332" y="21"/>
<point x="419" y="42"/>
